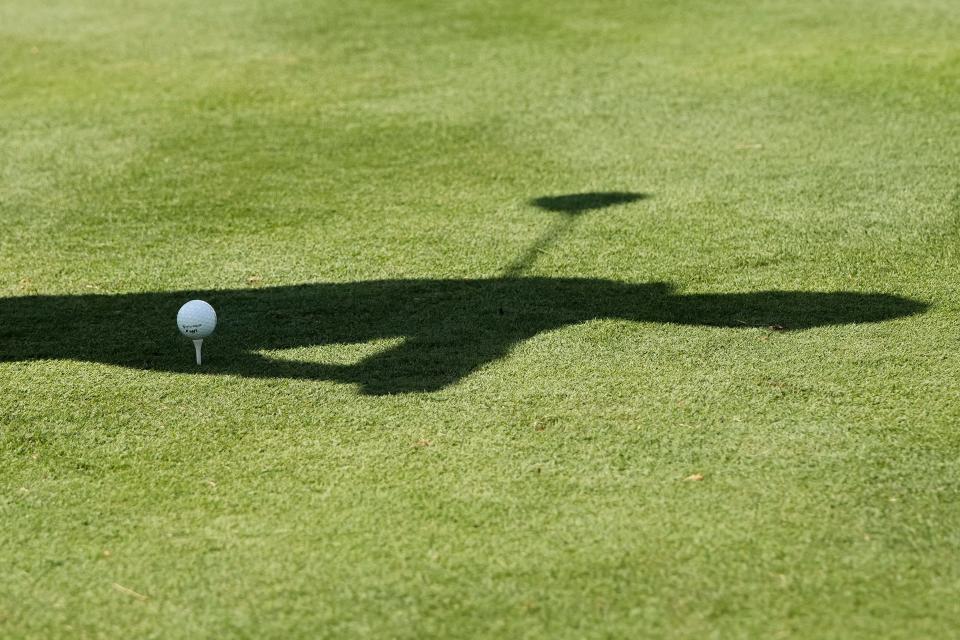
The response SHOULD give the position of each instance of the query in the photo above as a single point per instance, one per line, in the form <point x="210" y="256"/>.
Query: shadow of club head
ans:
<point x="576" y="203"/>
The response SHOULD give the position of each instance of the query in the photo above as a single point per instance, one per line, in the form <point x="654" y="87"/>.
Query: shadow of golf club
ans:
<point x="570" y="206"/>
<point x="447" y="328"/>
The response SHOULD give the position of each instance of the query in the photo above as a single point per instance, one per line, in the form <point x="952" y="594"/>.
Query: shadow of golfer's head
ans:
<point x="438" y="331"/>
<point x="574" y="203"/>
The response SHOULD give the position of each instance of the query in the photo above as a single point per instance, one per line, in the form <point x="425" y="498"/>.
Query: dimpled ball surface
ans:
<point x="196" y="319"/>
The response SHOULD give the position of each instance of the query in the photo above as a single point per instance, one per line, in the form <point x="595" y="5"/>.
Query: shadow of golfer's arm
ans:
<point x="256" y="365"/>
<point x="413" y="367"/>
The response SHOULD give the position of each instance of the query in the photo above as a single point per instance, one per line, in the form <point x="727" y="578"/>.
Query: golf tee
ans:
<point x="198" y="344"/>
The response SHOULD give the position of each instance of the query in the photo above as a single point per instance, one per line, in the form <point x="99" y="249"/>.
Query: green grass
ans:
<point x="392" y="438"/>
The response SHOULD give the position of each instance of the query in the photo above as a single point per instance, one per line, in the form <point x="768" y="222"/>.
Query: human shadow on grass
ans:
<point x="446" y="328"/>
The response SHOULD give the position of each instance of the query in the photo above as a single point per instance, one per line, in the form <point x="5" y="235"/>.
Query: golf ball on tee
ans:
<point x="196" y="319"/>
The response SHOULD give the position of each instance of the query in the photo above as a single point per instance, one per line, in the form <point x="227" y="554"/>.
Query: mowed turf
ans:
<point x="449" y="396"/>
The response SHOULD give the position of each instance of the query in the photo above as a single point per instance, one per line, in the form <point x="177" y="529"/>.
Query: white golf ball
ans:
<point x="196" y="319"/>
